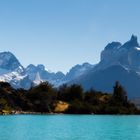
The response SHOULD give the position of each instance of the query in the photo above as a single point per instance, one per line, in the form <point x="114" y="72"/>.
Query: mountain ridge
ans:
<point x="13" y="72"/>
<point x="116" y="60"/>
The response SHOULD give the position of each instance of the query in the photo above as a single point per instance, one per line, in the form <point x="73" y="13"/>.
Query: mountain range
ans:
<point x="118" y="62"/>
<point x="13" y="72"/>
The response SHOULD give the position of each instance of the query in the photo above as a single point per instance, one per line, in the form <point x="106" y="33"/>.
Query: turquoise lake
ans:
<point x="69" y="127"/>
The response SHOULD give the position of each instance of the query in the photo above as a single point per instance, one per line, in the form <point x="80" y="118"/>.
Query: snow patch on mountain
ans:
<point x="137" y="48"/>
<point x="9" y="62"/>
<point x="37" y="80"/>
<point x="126" y="56"/>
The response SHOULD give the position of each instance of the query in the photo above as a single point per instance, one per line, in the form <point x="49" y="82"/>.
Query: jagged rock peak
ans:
<point x="133" y="42"/>
<point x="134" y="39"/>
<point x="113" y="45"/>
<point x="41" y="67"/>
<point x="31" y="66"/>
<point x="9" y="62"/>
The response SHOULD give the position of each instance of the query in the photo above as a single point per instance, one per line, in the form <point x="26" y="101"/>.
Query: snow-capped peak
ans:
<point x="126" y="56"/>
<point x="9" y="62"/>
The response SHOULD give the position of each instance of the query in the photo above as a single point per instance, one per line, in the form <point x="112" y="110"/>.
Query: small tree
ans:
<point x="63" y="93"/>
<point x="119" y="94"/>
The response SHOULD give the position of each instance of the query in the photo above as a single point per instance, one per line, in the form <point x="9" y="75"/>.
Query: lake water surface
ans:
<point x="69" y="127"/>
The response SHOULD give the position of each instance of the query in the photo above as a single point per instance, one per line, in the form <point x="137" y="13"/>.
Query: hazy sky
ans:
<point x="62" y="33"/>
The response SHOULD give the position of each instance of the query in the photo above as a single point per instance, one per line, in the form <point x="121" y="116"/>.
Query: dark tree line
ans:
<point x="43" y="97"/>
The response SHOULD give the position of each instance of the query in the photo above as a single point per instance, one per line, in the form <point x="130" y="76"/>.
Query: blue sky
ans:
<point x="62" y="33"/>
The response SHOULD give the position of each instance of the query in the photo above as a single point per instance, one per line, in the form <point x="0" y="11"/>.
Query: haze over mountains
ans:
<point x="119" y="62"/>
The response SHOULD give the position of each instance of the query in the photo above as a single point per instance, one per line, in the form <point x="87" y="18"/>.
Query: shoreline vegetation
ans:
<point x="45" y="99"/>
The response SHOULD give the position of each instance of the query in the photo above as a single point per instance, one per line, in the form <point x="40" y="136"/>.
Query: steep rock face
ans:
<point x="78" y="70"/>
<point x="103" y="80"/>
<point x="109" y="53"/>
<point x="39" y="74"/>
<point x="9" y="62"/>
<point x="32" y="70"/>
<point x="118" y="63"/>
<point x="11" y="70"/>
<point x="127" y="55"/>
<point x="133" y="42"/>
<point x="25" y="83"/>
